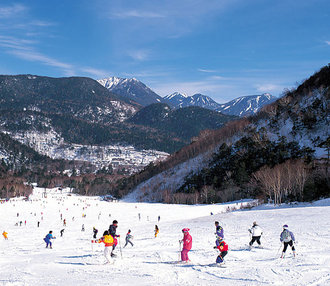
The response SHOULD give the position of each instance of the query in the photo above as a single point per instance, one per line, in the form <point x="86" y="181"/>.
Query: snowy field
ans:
<point x="24" y="260"/>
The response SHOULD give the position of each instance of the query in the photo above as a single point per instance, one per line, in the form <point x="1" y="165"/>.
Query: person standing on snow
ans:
<point x="156" y="230"/>
<point x="108" y="241"/>
<point x="187" y="244"/>
<point x="5" y="235"/>
<point x="48" y="238"/>
<point x="95" y="231"/>
<point x="112" y="232"/>
<point x="218" y="229"/>
<point x="287" y="238"/>
<point x="61" y="232"/>
<point x="256" y="232"/>
<point x="129" y="237"/>
<point x="223" y="248"/>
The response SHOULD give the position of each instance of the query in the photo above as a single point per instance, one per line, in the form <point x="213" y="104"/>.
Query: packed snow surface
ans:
<point x="74" y="260"/>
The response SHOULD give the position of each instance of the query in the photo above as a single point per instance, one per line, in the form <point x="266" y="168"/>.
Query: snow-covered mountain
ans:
<point x="180" y="100"/>
<point x="177" y="99"/>
<point x="246" y="105"/>
<point x="242" y="106"/>
<point x="137" y="91"/>
<point x="131" y="88"/>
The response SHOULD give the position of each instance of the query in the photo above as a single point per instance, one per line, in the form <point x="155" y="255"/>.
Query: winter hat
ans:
<point x="185" y="230"/>
<point x="129" y="230"/>
<point x="285" y="226"/>
<point x="254" y="223"/>
<point x="114" y="222"/>
<point x="216" y="223"/>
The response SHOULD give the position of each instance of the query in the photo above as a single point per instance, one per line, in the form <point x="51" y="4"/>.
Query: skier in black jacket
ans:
<point x="112" y="232"/>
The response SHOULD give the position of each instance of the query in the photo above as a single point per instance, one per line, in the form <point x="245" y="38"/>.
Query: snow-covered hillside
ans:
<point x="54" y="146"/>
<point x="74" y="260"/>
<point x="246" y="105"/>
<point x="300" y="118"/>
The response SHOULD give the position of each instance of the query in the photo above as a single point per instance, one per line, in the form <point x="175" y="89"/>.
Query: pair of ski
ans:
<point x="221" y="265"/>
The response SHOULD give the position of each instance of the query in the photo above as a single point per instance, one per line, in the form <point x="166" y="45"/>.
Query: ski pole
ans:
<point x="179" y="254"/>
<point x="278" y="249"/>
<point x="121" y="254"/>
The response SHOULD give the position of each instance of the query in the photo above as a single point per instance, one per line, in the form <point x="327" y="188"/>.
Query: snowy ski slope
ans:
<point x="24" y="260"/>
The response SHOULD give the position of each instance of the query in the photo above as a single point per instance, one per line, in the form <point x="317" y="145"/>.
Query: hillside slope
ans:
<point x="184" y="123"/>
<point x="221" y="164"/>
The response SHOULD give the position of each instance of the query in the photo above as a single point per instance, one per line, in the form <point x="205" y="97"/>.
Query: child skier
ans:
<point x="108" y="241"/>
<point x="95" y="231"/>
<point x="218" y="229"/>
<point x="128" y="238"/>
<point x="48" y="238"/>
<point x="223" y="248"/>
<point x="5" y="235"/>
<point x="256" y="232"/>
<point x="187" y="244"/>
<point x="287" y="238"/>
<point x="156" y="230"/>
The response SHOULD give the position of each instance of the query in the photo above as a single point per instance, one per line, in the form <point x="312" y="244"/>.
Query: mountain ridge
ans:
<point x="131" y="88"/>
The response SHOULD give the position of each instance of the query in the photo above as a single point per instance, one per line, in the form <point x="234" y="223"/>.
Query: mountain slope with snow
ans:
<point x="242" y="106"/>
<point x="246" y="105"/>
<point x="131" y="88"/>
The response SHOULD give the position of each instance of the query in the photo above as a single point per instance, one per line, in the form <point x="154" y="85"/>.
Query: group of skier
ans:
<point x="286" y="237"/>
<point x="110" y="240"/>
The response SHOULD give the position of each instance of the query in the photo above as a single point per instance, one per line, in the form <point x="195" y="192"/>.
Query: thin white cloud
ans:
<point x="268" y="87"/>
<point x="139" y="55"/>
<point x="11" y="11"/>
<point x="97" y="73"/>
<point x="328" y="43"/>
<point x="135" y="14"/>
<point x="207" y="71"/>
<point x="217" y="77"/>
<point x="39" y="23"/>
<point x="34" y="56"/>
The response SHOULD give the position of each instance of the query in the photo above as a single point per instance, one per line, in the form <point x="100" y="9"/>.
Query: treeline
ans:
<point x="250" y="168"/>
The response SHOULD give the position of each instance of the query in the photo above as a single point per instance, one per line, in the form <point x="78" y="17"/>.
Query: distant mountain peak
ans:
<point x="241" y="106"/>
<point x="176" y="95"/>
<point x="131" y="88"/>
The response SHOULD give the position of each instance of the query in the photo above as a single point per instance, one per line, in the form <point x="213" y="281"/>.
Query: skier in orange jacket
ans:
<point x="5" y="235"/>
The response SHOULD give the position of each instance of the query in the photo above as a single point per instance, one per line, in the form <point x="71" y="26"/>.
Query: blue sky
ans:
<point x="221" y="48"/>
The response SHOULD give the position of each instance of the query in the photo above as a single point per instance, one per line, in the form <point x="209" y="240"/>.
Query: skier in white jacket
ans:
<point x="256" y="232"/>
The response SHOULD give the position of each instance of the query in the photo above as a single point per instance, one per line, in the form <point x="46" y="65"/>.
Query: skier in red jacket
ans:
<point x="187" y="243"/>
<point x="223" y="248"/>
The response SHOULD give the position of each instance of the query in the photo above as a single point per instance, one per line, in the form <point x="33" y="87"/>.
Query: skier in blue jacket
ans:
<point x="218" y="230"/>
<point x="48" y="238"/>
<point x="287" y="238"/>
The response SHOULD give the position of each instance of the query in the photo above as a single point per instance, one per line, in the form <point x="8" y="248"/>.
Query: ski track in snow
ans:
<point x="24" y="260"/>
